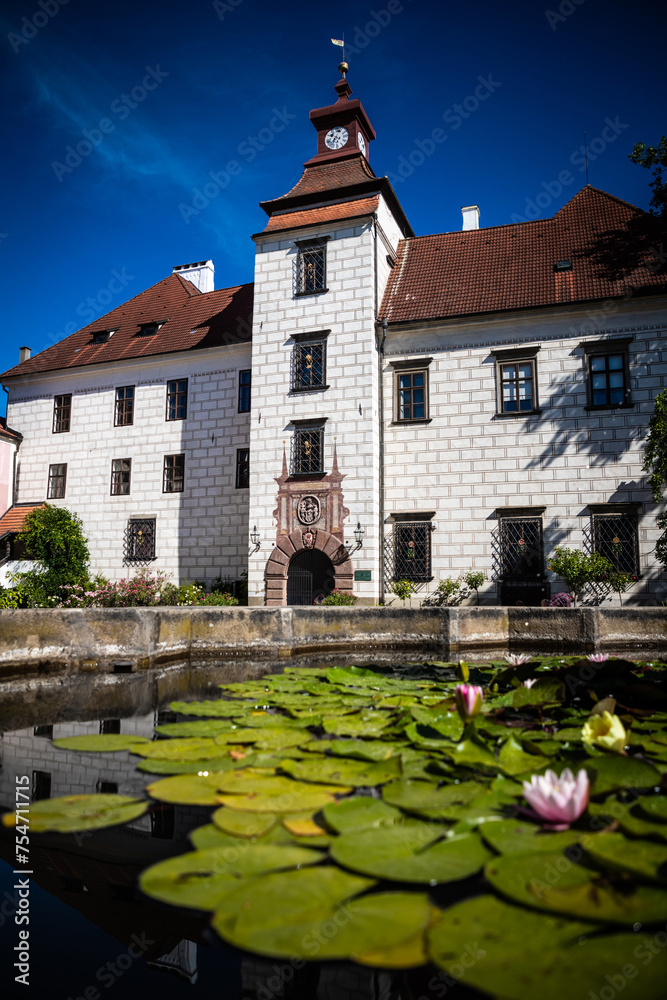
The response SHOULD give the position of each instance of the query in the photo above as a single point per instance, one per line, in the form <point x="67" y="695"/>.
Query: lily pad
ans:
<point x="187" y="789"/>
<point x="634" y="822"/>
<point x="513" y="836"/>
<point x="654" y="807"/>
<point x="614" y="771"/>
<point x="195" y="748"/>
<point x="254" y="792"/>
<point x="80" y="812"/>
<point x="545" y="691"/>
<point x="550" y="881"/>
<point x="473" y="754"/>
<point x="360" y="813"/>
<point x="519" y="954"/>
<point x="100" y="742"/>
<point x="513" y="759"/>
<point x="411" y="852"/>
<point x="643" y="858"/>
<point x="304" y="826"/>
<point x="309" y="903"/>
<point x="427" y="799"/>
<point x="186" y="766"/>
<point x="372" y="750"/>
<point x="370" y="724"/>
<point x="199" y="879"/>
<point x="202" y="727"/>
<point x="338" y="771"/>
<point x="243" y="824"/>
<point x="221" y="708"/>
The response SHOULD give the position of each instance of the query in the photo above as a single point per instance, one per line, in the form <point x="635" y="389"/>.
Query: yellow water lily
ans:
<point x="605" y="731"/>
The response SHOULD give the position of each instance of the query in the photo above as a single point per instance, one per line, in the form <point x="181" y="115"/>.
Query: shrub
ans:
<point x="145" y="589"/>
<point x="403" y="589"/>
<point x="216" y="599"/>
<point x="54" y="538"/>
<point x="10" y="598"/>
<point x="449" y="591"/>
<point x="578" y="570"/>
<point x="337" y="597"/>
<point x="474" y="580"/>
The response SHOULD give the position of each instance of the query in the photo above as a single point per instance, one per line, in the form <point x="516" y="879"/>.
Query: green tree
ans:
<point x="654" y="157"/>
<point x="655" y="462"/>
<point x="578" y="569"/>
<point x="54" y="538"/>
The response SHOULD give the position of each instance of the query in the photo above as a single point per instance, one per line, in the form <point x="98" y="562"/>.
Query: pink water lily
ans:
<point x="516" y="659"/>
<point x="469" y="700"/>
<point x="529" y="682"/>
<point x="558" y="800"/>
<point x="598" y="657"/>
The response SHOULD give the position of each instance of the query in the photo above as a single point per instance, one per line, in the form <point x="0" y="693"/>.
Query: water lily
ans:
<point x="469" y="700"/>
<point x="516" y="659"/>
<point x="598" y="657"/>
<point x="529" y="682"/>
<point x="558" y="800"/>
<point x="605" y="731"/>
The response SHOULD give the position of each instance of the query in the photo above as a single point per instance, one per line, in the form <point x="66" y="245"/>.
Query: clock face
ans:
<point x="336" y="137"/>
<point x="362" y="143"/>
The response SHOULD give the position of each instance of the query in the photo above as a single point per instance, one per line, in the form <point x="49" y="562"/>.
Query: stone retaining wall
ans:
<point x="36" y="642"/>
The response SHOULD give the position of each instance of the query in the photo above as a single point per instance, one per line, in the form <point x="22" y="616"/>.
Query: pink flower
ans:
<point x="469" y="700"/>
<point x="516" y="659"/>
<point x="598" y="657"/>
<point x="529" y="683"/>
<point x="559" y="801"/>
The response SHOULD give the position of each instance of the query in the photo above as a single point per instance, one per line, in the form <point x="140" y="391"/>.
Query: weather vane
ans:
<point x="343" y="66"/>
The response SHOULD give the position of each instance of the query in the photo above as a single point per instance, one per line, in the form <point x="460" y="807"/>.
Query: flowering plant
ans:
<point x="558" y="800"/>
<point x="469" y="700"/>
<point x="605" y="731"/>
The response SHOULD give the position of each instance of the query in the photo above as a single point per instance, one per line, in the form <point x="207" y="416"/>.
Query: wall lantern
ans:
<point x="254" y="536"/>
<point x="359" y="535"/>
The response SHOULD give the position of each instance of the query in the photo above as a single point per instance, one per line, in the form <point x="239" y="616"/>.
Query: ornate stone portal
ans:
<point x="310" y="515"/>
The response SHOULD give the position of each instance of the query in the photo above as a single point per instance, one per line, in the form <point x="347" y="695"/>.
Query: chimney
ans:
<point x="24" y="354"/>
<point x="201" y="274"/>
<point x="470" y="217"/>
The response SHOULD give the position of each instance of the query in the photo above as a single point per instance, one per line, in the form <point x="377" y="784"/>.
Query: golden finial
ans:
<point x="343" y="68"/>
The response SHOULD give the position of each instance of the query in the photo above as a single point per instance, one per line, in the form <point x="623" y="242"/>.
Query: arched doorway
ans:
<point x="310" y="576"/>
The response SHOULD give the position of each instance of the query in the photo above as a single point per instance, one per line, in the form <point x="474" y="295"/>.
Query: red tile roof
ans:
<point x="12" y="521"/>
<point x="325" y="213"/>
<point x="7" y="432"/>
<point x="512" y="267"/>
<point x="325" y="177"/>
<point x="192" y="320"/>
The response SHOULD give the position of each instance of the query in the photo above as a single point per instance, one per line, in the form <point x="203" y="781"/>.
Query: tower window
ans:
<point x="245" y="378"/>
<point x="309" y="365"/>
<point x="307" y="451"/>
<point x="311" y="268"/>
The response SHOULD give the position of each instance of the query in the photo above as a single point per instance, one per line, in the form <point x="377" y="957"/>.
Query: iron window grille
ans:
<point x="521" y="548"/>
<point x="311" y="269"/>
<point x="412" y="551"/>
<point x="62" y="411"/>
<point x="124" y="409"/>
<point x="121" y="469"/>
<point x="177" y="399"/>
<point x="57" y="481"/>
<point x="242" y="468"/>
<point x="173" y="476"/>
<point x="517" y="387"/>
<point x="140" y="540"/>
<point x="307" y="451"/>
<point x="615" y="536"/>
<point x="309" y="365"/>
<point x="245" y="379"/>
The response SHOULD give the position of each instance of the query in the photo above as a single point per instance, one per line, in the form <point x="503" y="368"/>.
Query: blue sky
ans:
<point x="162" y="96"/>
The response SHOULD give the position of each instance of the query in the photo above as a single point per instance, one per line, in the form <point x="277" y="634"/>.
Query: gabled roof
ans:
<point x="11" y="522"/>
<point x="190" y="320"/>
<point x="7" y="433"/>
<point x="608" y="241"/>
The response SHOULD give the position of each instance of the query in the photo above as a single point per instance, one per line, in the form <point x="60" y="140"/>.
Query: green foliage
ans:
<point x="655" y="462"/>
<point x="655" y="157"/>
<point x="216" y="599"/>
<point x="337" y="597"/>
<point x="449" y="591"/>
<point x="578" y="569"/>
<point x="52" y="536"/>
<point x="474" y="579"/>
<point x="10" y="598"/>
<point x="452" y="592"/>
<point x="144" y="590"/>
<point x="403" y="589"/>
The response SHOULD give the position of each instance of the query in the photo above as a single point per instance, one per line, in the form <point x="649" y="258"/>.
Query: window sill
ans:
<point x="420" y="420"/>
<point x="518" y="413"/>
<point x="317" y="291"/>
<point x="307" y="389"/>
<point x="305" y="477"/>
<point x="611" y="406"/>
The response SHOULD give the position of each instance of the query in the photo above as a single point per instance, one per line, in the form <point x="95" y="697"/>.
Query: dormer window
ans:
<point x="149" y="329"/>
<point x="102" y="336"/>
<point x="563" y="265"/>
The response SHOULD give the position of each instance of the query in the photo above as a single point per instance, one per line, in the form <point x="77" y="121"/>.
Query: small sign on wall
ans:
<point x="362" y="574"/>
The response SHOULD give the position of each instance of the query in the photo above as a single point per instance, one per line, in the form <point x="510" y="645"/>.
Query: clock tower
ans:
<point x="343" y="128"/>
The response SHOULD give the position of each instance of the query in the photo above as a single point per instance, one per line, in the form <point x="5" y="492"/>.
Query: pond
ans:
<point x="368" y="839"/>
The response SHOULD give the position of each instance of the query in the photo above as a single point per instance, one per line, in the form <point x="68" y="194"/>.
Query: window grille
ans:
<point x="62" y="409"/>
<point x="517" y="387"/>
<point x="121" y="469"/>
<point x="307" y="451"/>
<point x="309" y="365"/>
<point x="140" y="540"/>
<point x="311" y="270"/>
<point x="411" y="395"/>
<point x="245" y="378"/>
<point x="607" y="379"/>
<point x="242" y="468"/>
<point x="124" y="411"/>
<point x="177" y="399"/>
<point x="57" y="480"/>
<point x="615" y="536"/>
<point x="412" y="551"/>
<point x="521" y="548"/>
<point x="173" y="474"/>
